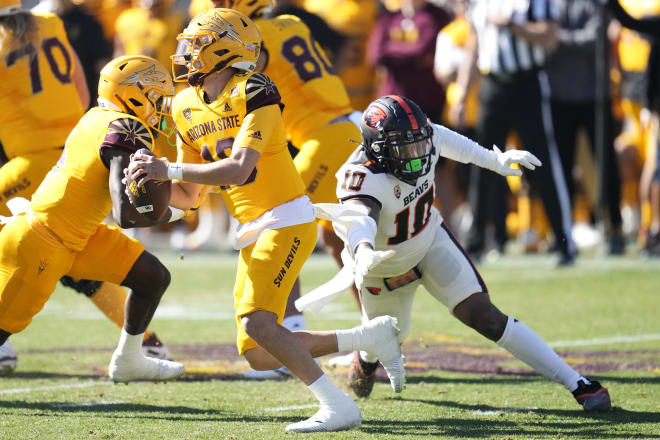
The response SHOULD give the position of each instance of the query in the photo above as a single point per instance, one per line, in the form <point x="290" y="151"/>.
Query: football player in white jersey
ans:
<point x="396" y="239"/>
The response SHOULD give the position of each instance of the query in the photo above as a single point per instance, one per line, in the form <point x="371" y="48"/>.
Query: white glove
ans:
<point x="365" y="260"/>
<point x="521" y="157"/>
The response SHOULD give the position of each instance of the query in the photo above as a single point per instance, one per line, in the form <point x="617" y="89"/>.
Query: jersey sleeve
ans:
<point x="260" y="92"/>
<point x="357" y="181"/>
<point x="127" y="135"/>
<point x="258" y="127"/>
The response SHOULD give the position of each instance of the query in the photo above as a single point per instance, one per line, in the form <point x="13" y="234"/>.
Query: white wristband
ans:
<point x="177" y="214"/>
<point x="175" y="171"/>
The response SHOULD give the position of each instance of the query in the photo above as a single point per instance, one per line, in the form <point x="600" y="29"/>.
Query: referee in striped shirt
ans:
<point x="509" y="52"/>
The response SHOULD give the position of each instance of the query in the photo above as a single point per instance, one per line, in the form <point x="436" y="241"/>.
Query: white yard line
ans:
<point x="64" y="386"/>
<point x="619" y="339"/>
<point x="494" y="412"/>
<point x="290" y="407"/>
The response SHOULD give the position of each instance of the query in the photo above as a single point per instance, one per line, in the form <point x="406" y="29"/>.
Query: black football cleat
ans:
<point x="592" y="397"/>
<point x="362" y="375"/>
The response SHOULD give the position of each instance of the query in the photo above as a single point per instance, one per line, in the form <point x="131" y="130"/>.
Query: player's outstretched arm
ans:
<point x="457" y="147"/>
<point x="233" y="170"/>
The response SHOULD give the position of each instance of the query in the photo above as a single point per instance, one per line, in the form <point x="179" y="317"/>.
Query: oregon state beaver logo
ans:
<point x="375" y="116"/>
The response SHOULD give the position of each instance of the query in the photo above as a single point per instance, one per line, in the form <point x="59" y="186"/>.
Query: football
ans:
<point x="151" y="199"/>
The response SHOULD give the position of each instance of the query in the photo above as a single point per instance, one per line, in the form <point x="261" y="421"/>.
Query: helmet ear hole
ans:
<point x="135" y="102"/>
<point x="122" y="66"/>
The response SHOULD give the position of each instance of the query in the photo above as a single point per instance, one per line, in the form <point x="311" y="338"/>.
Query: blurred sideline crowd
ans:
<point x="421" y="49"/>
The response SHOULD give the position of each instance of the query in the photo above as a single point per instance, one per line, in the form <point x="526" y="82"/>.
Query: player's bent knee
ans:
<point x="258" y="325"/>
<point x="480" y="314"/>
<point x="148" y="275"/>
<point x="165" y="278"/>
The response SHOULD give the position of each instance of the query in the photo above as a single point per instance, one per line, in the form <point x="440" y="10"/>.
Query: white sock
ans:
<point x="524" y="344"/>
<point x="129" y="344"/>
<point x="326" y="391"/>
<point x="294" y="322"/>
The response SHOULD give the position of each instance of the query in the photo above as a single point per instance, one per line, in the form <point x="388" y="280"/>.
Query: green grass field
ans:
<point x="603" y="316"/>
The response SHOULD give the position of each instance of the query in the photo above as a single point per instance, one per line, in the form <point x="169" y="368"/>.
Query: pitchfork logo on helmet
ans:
<point x="216" y="23"/>
<point x="149" y="76"/>
<point x="396" y="134"/>
<point x="213" y="41"/>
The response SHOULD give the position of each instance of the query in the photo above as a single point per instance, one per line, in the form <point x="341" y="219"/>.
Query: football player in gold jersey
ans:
<point x="231" y="135"/>
<point x="315" y="115"/>
<point x="39" y="71"/>
<point x="62" y="232"/>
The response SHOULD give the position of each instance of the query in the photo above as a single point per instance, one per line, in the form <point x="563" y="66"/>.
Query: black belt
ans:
<point x="403" y="280"/>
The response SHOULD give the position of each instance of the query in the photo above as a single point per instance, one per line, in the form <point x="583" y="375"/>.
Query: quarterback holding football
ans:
<point x="395" y="239"/>
<point x="231" y="135"/>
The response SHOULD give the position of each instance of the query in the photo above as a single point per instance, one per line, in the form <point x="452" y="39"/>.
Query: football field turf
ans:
<point x="602" y="316"/>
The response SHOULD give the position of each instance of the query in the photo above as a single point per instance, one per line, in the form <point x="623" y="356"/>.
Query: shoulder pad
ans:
<point x="355" y="180"/>
<point x="127" y="134"/>
<point x="360" y="158"/>
<point x="260" y="91"/>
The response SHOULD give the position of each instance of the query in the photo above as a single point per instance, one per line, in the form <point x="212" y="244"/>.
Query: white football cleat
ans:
<point x="132" y="367"/>
<point x="8" y="359"/>
<point x="338" y="417"/>
<point x="382" y="337"/>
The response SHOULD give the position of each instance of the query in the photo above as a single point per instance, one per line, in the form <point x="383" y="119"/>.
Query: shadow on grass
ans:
<point x="613" y="424"/>
<point x="617" y="424"/>
<point x="50" y="375"/>
<point x="133" y="411"/>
